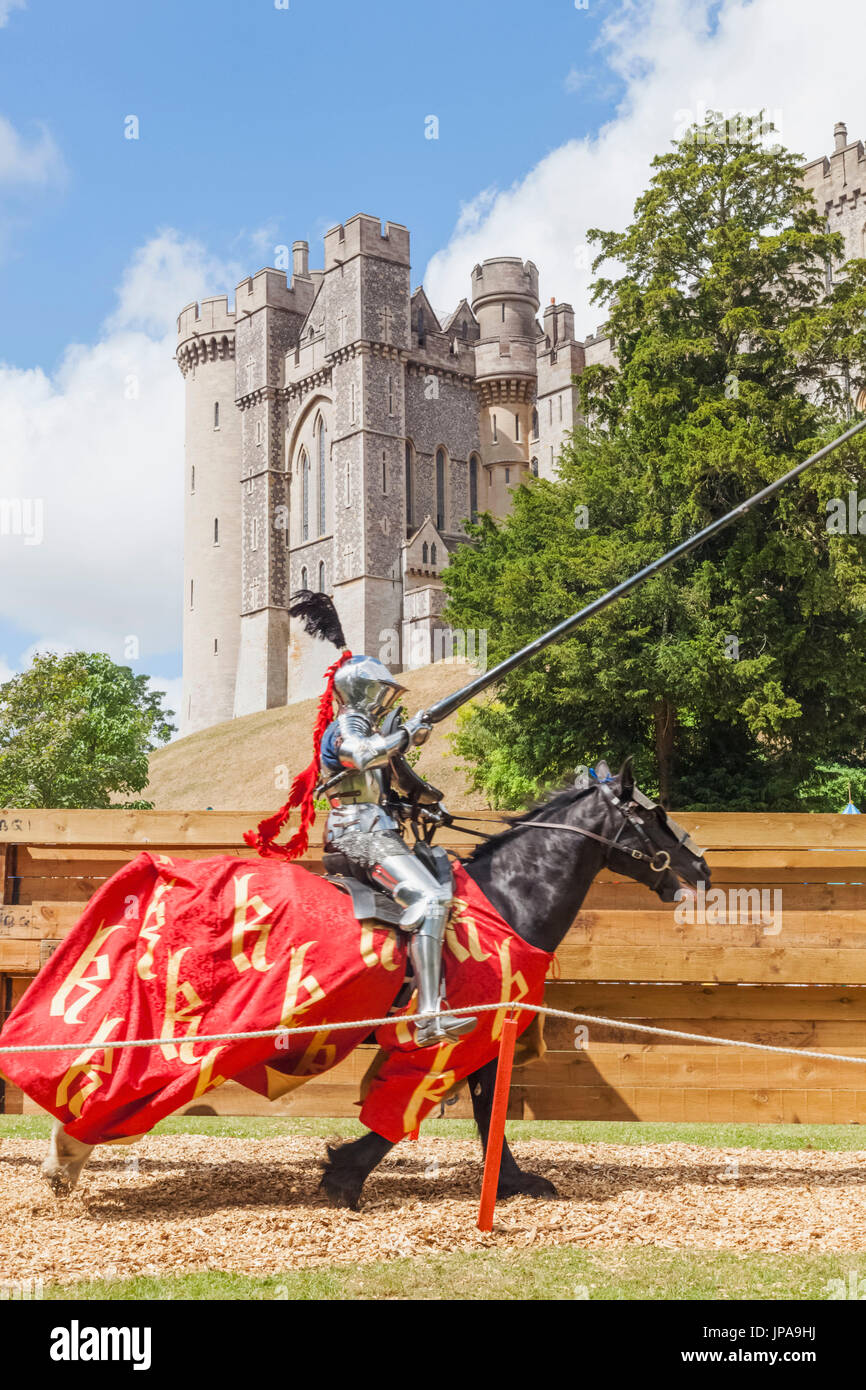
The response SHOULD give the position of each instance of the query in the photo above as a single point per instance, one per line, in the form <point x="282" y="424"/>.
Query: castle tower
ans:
<point x="557" y="407"/>
<point x="505" y="302"/>
<point x="212" y="525"/>
<point x="367" y="339"/>
<point x="269" y="314"/>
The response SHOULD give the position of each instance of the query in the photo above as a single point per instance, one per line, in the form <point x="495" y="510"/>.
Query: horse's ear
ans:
<point x="626" y="777"/>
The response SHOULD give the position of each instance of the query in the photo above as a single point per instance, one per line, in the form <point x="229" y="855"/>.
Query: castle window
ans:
<point x="352" y="402"/>
<point x="260" y="432"/>
<point x="551" y="458"/>
<point x="424" y="554"/>
<point x="433" y="553"/>
<point x="390" y="395"/>
<point x="495" y="434"/>
<point x="322" y="493"/>
<point x="305" y="581"/>
<point x="560" y="407"/>
<point x="192" y="479"/>
<point x="216" y="415"/>
<point x="410" y="490"/>
<point x="192" y="593"/>
<point x="420" y="326"/>
<point x="305" y="496"/>
<point x="321" y="576"/>
<point x="517" y="428"/>
<point x="503" y="313"/>
<point x="473" y="487"/>
<point x="384" y="474"/>
<point x="534" y="423"/>
<point x="216" y="530"/>
<point x="347" y="484"/>
<point x="507" y="476"/>
<point x="440" y="488"/>
<point x="550" y="411"/>
<point x="216" y="646"/>
<point x="533" y="467"/>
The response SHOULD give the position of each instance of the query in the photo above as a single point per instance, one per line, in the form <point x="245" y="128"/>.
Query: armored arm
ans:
<point x="358" y="748"/>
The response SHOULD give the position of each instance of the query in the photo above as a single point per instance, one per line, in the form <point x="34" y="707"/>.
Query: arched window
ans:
<point x="322" y="495"/>
<point x="473" y="487"/>
<point x="440" y="489"/>
<point x="534" y="423"/>
<point x="321" y="576"/>
<point x="533" y="467"/>
<point x="433" y="553"/>
<point x="425" y="554"/>
<point x="410" y="488"/>
<point x="305" y="500"/>
<point x="305" y="581"/>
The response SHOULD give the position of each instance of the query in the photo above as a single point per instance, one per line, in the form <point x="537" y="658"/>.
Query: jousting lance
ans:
<point x="450" y="703"/>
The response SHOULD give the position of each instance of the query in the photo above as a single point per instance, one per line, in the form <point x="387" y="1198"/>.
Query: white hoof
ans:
<point x="65" y="1159"/>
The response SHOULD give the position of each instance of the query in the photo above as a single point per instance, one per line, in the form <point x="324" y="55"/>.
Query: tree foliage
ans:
<point x="76" y="730"/>
<point x="739" y="672"/>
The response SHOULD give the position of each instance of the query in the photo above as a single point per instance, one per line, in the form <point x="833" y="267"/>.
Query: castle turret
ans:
<point x="557" y="407"/>
<point x="212" y="524"/>
<point x="505" y="302"/>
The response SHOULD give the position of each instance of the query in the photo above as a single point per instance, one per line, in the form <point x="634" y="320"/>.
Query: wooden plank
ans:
<point x="843" y="929"/>
<point x="708" y="1002"/>
<point x="726" y="964"/>
<point x="684" y="1065"/>
<point x="694" y="1106"/>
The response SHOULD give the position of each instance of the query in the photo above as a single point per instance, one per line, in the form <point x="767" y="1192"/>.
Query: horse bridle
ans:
<point x="628" y="818"/>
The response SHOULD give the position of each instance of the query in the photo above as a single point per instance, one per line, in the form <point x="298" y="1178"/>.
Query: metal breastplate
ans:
<point x="356" y="788"/>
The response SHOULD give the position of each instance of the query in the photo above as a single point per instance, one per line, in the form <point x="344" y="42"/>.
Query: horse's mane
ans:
<point x="558" y="799"/>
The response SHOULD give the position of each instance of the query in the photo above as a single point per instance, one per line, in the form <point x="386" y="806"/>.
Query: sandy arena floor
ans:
<point x="178" y="1204"/>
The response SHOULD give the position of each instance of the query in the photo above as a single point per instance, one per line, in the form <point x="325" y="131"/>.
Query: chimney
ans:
<point x="840" y="135"/>
<point x="301" y="259"/>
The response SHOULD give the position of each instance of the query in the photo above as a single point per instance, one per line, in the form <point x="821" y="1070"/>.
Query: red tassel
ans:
<point x="301" y="793"/>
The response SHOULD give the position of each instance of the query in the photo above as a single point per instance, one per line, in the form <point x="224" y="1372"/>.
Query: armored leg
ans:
<point x="426" y="903"/>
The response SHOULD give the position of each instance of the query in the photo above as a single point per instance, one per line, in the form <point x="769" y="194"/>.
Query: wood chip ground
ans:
<point x="176" y="1204"/>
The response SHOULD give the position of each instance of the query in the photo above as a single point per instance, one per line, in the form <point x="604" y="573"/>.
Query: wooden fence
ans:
<point x="796" y="979"/>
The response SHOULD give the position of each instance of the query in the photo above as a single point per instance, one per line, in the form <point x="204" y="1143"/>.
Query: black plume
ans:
<point x="319" y="616"/>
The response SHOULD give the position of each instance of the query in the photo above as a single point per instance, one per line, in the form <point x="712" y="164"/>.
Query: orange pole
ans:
<point x="496" y="1133"/>
<point x="413" y="1134"/>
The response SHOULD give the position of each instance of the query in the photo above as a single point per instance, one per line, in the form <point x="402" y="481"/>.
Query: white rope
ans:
<point x="369" y="1023"/>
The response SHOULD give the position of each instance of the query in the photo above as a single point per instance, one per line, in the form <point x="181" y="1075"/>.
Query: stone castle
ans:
<point x="361" y="433"/>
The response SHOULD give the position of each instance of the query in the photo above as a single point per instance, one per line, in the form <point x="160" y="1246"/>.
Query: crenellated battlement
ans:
<point x="363" y="235"/>
<point x="270" y="288"/>
<point x="213" y="315"/>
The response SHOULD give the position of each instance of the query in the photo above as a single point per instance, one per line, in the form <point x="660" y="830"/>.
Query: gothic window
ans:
<point x="550" y="411"/>
<point x="440" y="488"/>
<point x="352" y="402"/>
<point x="216" y="530"/>
<point x="507" y="476"/>
<point x="410" y="499"/>
<point x="560" y="407"/>
<point x="533" y="467"/>
<point x="424" y="553"/>
<point x="433" y="553"/>
<point x="321" y="576"/>
<point x="322" y="493"/>
<point x="305" y="581"/>
<point x="473" y="487"/>
<point x="534" y="423"/>
<point x="216" y="415"/>
<point x="305" y="496"/>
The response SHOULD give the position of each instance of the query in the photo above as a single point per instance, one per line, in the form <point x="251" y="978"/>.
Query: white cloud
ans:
<point x="675" y="57"/>
<point x="29" y="161"/>
<point x="6" y="8"/>
<point x="100" y="445"/>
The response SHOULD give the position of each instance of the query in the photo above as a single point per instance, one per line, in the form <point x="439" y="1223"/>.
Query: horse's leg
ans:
<point x="65" y="1159"/>
<point x="513" y="1181"/>
<point x="350" y="1165"/>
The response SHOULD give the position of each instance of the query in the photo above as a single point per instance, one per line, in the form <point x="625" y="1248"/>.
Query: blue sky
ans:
<point x="252" y="116"/>
<point x="259" y="125"/>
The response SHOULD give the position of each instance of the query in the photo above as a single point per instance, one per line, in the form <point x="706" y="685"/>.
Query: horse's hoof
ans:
<point x="526" y="1185"/>
<point x="59" y="1183"/>
<point x="339" y="1192"/>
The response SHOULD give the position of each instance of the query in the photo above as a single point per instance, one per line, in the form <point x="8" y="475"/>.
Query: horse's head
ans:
<point x="645" y="842"/>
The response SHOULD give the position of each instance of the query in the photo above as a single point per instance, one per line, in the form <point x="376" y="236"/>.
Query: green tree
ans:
<point x="76" y="730"/>
<point x="734" y="674"/>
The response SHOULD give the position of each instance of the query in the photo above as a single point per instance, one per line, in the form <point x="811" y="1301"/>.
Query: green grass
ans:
<point x="564" y="1273"/>
<point x="834" y="1138"/>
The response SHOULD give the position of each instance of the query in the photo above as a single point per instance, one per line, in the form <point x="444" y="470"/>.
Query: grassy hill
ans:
<point x="234" y="766"/>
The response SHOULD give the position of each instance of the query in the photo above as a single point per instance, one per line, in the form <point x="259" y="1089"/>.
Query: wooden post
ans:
<point x="496" y="1133"/>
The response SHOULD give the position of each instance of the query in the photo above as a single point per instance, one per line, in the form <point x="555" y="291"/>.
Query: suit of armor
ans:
<point x="360" y="827"/>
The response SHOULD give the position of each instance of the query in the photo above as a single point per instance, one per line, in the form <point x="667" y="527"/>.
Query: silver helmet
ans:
<point x="366" y="684"/>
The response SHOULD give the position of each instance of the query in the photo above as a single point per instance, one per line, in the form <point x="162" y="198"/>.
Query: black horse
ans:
<point x="536" y="874"/>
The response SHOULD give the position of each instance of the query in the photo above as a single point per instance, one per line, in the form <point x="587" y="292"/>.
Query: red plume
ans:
<point x="301" y="794"/>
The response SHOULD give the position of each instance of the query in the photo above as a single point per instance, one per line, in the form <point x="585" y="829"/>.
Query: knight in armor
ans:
<point x="359" y="765"/>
